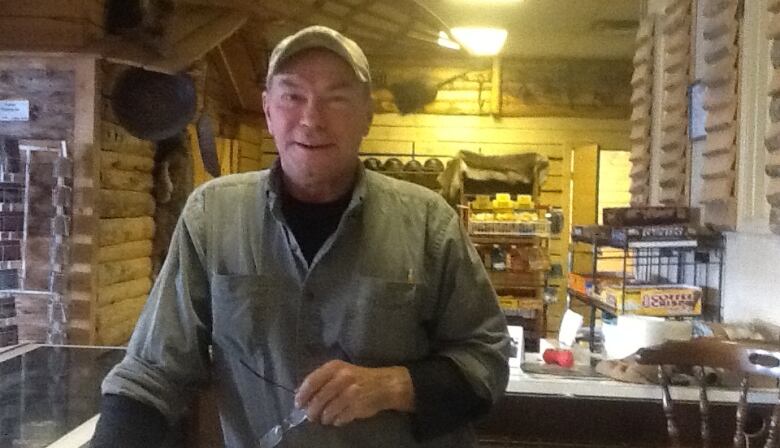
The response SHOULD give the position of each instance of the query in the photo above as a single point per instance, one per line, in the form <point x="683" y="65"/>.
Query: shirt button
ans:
<point x="309" y="296"/>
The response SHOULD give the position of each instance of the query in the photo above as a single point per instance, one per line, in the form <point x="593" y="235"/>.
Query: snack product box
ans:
<point x="654" y="300"/>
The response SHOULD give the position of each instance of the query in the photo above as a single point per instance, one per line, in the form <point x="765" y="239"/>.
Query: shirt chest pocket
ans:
<point x="384" y="324"/>
<point x="244" y="310"/>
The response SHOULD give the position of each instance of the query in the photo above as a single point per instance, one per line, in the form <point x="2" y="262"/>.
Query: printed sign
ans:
<point x="14" y="110"/>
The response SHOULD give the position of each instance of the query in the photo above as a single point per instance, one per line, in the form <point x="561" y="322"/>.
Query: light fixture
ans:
<point x="480" y="41"/>
<point x="446" y="42"/>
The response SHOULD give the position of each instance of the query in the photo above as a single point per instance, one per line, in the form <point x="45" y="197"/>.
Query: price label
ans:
<point x="14" y="110"/>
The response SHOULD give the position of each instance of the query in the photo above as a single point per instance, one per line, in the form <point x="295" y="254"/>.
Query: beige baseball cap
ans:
<point x="318" y="36"/>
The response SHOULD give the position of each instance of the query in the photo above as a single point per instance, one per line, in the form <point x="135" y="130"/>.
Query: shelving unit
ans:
<point x="516" y="256"/>
<point x="664" y="271"/>
<point x="35" y="188"/>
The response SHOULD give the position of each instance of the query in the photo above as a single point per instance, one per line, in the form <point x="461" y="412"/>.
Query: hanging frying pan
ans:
<point x="153" y="106"/>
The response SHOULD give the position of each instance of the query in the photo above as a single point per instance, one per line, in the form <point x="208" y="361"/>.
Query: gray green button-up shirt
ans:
<point x="397" y="281"/>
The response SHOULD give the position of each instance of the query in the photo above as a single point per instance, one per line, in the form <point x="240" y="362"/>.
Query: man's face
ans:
<point x="318" y="113"/>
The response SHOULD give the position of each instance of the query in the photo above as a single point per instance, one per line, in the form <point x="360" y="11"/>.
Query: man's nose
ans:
<point x="311" y="115"/>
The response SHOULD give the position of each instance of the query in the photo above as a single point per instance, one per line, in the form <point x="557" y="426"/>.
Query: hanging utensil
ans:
<point x="208" y="145"/>
<point x="153" y="106"/>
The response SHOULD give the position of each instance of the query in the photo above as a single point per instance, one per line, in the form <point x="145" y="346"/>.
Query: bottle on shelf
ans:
<point x="498" y="258"/>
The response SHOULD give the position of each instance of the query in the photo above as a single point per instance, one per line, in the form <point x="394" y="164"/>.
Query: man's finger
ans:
<point x="314" y="382"/>
<point x="329" y="392"/>
<point x="346" y="416"/>
<point x="336" y="410"/>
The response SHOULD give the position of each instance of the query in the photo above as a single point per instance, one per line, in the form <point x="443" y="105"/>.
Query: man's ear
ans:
<point x="370" y="115"/>
<point x="369" y="120"/>
<point x="267" y="112"/>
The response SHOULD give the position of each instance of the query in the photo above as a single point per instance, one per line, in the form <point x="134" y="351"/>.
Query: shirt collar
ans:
<point x="273" y="190"/>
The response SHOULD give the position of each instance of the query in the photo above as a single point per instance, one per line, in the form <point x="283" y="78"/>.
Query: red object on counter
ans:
<point x="562" y="357"/>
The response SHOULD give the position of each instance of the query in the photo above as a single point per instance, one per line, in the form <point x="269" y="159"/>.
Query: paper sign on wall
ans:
<point x="570" y="324"/>
<point x="14" y="110"/>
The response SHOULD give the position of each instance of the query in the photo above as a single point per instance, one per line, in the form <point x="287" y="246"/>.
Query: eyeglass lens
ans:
<point x="272" y="438"/>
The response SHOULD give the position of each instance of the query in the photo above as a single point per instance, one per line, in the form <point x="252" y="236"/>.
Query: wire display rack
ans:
<point x="35" y="209"/>
<point x="674" y="276"/>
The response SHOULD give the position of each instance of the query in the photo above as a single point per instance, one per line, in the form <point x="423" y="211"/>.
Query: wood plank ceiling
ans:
<point x="398" y="28"/>
<point x="380" y="27"/>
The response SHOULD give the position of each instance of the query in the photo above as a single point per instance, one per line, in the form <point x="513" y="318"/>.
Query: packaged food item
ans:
<point x="498" y="258"/>
<point x="508" y="304"/>
<point x="481" y="202"/>
<point x="524" y="201"/>
<point x="503" y="202"/>
<point x="654" y="300"/>
<point x="537" y="260"/>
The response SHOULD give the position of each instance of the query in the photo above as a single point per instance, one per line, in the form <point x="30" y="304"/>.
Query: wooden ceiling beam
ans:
<point x="196" y="44"/>
<point x="182" y="53"/>
<point x="241" y="73"/>
<point x="218" y="72"/>
<point x="247" y="6"/>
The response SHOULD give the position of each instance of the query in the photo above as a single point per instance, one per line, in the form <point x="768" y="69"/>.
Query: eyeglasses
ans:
<point x="274" y="435"/>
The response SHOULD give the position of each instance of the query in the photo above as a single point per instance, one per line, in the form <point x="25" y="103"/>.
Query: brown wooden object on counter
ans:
<point x="744" y="358"/>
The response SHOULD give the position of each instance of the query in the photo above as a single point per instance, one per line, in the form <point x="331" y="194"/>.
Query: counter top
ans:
<point x="601" y="387"/>
<point x="50" y="395"/>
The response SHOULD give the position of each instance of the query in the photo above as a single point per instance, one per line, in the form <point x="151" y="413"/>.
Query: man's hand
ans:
<point x="338" y="392"/>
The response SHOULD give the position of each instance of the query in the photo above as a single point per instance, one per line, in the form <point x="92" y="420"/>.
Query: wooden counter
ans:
<point x="51" y="396"/>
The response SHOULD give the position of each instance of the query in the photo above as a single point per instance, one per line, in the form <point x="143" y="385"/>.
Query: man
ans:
<point x="318" y="286"/>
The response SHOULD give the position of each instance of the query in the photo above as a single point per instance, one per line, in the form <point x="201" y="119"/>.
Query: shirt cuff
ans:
<point x="128" y="423"/>
<point x="444" y="399"/>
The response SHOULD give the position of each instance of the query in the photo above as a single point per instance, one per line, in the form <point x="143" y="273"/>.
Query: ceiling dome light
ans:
<point x="445" y="41"/>
<point x="480" y="41"/>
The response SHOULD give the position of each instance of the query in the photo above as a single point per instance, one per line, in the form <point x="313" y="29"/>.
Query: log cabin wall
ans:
<point x="548" y="107"/>
<point x="126" y="226"/>
<point x="597" y="89"/>
<point x="60" y="91"/>
<point x="44" y="25"/>
<point x="135" y="225"/>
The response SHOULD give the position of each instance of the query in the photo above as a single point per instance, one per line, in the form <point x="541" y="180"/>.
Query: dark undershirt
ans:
<point x="312" y="223"/>
<point x="444" y="400"/>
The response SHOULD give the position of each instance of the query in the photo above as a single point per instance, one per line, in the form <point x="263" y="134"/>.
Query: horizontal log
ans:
<point x="81" y="252"/>
<point x="33" y="332"/>
<point x="120" y="312"/>
<point x="122" y="161"/>
<point x="122" y="230"/>
<point x="33" y="308"/>
<point x="117" y="335"/>
<point x="30" y="33"/>
<point x="122" y="271"/>
<point x="121" y="291"/>
<point x="114" y="179"/>
<point x="125" y="251"/>
<point x="80" y="282"/>
<point x="79" y="336"/>
<point x="36" y="277"/>
<point x="51" y="8"/>
<point x="116" y="139"/>
<point x="245" y="164"/>
<point x="79" y="310"/>
<point x="125" y="204"/>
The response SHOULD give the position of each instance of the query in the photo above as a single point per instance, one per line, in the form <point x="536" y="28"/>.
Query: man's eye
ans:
<point x="339" y="100"/>
<point x="290" y="97"/>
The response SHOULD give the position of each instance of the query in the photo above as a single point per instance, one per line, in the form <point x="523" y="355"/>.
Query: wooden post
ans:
<point x="495" y="87"/>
